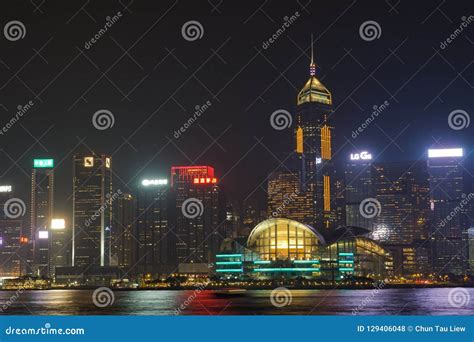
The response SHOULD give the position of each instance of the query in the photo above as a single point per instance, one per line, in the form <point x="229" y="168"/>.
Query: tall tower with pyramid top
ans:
<point x="314" y="135"/>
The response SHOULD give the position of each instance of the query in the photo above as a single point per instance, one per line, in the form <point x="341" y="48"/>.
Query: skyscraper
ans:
<point x="200" y="214"/>
<point x="60" y="244"/>
<point x="314" y="133"/>
<point x="92" y="209"/>
<point x="154" y="249"/>
<point x="285" y="198"/>
<point x="402" y="226"/>
<point x="11" y="253"/>
<point x="359" y="186"/>
<point x="124" y="240"/>
<point x="450" y="224"/>
<point x="470" y="236"/>
<point x="42" y="204"/>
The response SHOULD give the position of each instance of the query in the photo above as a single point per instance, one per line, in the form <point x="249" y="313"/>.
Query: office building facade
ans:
<point x="92" y="210"/>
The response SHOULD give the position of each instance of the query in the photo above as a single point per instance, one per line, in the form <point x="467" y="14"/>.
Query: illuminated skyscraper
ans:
<point x="92" y="209"/>
<point x="11" y="252"/>
<point x="42" y="204"/>
<point x="402" y="225"/>
<point x="448" y="209"/>
<point x="60" y="244"/>
<point x="314" y="134"/>
<point x="123" y="228"/>
<point x="359" y="185"/>
<point x="285" y="198"/>
<point x="200" y="214"/>
<point x="153" y="237"/>
<point x="470" y="237"/>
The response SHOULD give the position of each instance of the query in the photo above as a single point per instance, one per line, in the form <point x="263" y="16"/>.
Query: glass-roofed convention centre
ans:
<point x="282" y="247"/>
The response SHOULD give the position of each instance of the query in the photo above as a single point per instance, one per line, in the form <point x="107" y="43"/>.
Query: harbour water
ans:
<point x="429" y="301"/>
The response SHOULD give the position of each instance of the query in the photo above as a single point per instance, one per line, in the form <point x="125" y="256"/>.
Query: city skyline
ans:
<point x="227" y="149"/>
<point x="334" y="65"/>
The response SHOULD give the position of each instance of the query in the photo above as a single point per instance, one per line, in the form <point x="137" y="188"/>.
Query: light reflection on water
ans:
<point x="255" y="302"/>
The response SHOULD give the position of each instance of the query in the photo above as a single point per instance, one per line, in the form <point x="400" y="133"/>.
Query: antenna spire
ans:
<point x="312" y="66"/>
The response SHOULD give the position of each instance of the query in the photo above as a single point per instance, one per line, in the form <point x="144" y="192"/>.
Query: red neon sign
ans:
<point x="212" y="180"/>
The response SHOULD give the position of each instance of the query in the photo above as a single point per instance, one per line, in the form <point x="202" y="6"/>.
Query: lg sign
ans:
<point x="361" y="156"/>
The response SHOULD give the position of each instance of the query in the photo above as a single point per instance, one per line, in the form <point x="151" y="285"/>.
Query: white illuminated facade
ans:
<point x="43" y="234"/>
<point x="58" y="224"/>
<point x="445" y="152"/>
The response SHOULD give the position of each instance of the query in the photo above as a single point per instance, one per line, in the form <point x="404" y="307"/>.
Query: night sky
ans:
<point x="151" y="79"/>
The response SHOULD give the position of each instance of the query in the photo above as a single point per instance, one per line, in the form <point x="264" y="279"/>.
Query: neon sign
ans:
<point x="148" y="182"/>
<point x="205" y="180"/>
<point x="89" y="162"/>
<point x="43" y="163"/>
<point x="5" y="188"/>
<point x="361" y="156"/>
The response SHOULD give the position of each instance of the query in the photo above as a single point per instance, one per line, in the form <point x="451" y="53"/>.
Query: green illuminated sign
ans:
<point x="287" y="269"/>
<point x="230" y="270"/>
<point x="306" y="261"/>
<point x="43" y="163"/>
